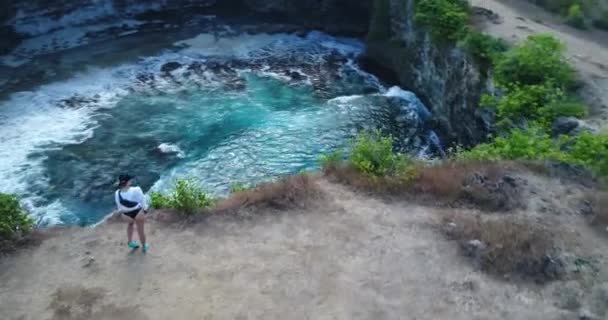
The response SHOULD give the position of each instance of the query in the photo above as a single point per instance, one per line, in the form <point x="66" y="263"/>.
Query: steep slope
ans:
<point x="586" y="49"/>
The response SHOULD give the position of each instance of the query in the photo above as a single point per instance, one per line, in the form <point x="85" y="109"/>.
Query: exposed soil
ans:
<point x="348" y="257"/>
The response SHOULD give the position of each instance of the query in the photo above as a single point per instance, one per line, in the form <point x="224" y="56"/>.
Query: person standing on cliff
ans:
<point x="131" y="203"/>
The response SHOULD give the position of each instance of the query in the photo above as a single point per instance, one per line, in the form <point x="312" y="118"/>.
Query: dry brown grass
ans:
<point x="297" y="191"/>
<point x="34" y="238"/>
<point x="452" y="183"/>
<point x="349" y="176"/>
<point x="511" y="246"/>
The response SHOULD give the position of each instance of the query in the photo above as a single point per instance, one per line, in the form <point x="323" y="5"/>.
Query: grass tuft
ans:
<point x="505" y="245"/>
<point x="296" y="191"/>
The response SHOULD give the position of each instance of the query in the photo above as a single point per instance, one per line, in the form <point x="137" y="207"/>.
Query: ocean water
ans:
<point x="236" y="109"/>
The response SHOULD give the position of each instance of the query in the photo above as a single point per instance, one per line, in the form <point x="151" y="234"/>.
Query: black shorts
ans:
<point x="132" y="214"/>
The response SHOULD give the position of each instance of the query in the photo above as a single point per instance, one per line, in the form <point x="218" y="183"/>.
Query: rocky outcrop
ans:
<point x="442" y="75"/>
<point x="37" y="16"/>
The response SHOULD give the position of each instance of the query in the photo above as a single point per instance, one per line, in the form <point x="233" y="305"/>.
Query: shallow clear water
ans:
<point x="243" y="109"/>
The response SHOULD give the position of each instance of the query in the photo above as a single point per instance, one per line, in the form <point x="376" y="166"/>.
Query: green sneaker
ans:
<point x="133" y="245"/>
<point x="146" y="247"/>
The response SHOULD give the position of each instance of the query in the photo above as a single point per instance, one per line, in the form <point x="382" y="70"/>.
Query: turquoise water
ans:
<point x="267" y="110"/>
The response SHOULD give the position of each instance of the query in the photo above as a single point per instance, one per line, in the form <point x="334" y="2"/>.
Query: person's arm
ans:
<point x="141" y="198"/>
<point x="117" y="200"/>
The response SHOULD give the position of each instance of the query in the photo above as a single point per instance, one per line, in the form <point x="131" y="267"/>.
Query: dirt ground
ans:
<point x="350" y="257"/>
<point x="586" y="49"/>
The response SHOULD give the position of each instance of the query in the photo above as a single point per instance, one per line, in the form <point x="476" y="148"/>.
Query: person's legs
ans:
<point x="130" y="232"/>
<point x="140" y="219"/>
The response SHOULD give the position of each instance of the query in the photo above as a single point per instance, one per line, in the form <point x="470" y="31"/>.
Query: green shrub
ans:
<point x="521" y="144"/>
<point x="186" y="198"/>
<point x="444" y="19"/>
<point x="373" y="154"/>
<point x="331" y="160"/>
<point x="526" y="101"/>
<point x="238" y="187"/>
<point x="575" y="17"/>
<point x="14" y="221"/>
<point x="536" y="61"/>
<point x="588" y="150"/>
<point x="380" y="25"/>
<point x="562" y="107"/>
<point x="542" y="103"/>
<point x="484" y="48"/>
<point x="160" y="201"/>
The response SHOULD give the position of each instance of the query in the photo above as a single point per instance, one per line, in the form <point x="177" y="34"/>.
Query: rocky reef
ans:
<point x="442" y="75"/>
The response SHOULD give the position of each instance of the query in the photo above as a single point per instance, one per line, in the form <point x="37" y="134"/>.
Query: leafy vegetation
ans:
<point x="380" y="25"/>
<point x="587" y="149"/>
<point x="238" y="187"/>
<point x="445" y="19"/>
<point x="538" y="60"/>
<point x="373" y="154"/>
<point x="14" y="221"/>
<point x="484" y="48"/>
<point x="186" y="197"/>
<point x="521" y="144"/>
<point x="542" y="103"/>
<point x="331" y="160"/>
<point x="575" y="16"/>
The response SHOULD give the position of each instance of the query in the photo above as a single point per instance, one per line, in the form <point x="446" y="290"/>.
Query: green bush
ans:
<point x="484" y="48"/>
<point x="562" y="107"/>
<point x="331" y="160"/>
<point x="238" y="187"/>
<point x="575" y="17"/>
<point x="536" y="61"/>
<point x="380" y="25"/>
<point x="14" y="221"/>
<point x="186" y="198"/>
<point x="160" y="201"/>
<point x="526" y="101"/>
<point x="373" y="154"/>
<point x="521" y="144"/>
<point x="444" y="19"/>
<point x="588" y="150"/>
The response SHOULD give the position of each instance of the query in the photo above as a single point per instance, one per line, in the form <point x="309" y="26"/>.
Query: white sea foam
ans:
<point x="171" y="148"/>
<point x="31" y="122"/>
<point x="396" y="91"/>
<point x="345" y="99"/>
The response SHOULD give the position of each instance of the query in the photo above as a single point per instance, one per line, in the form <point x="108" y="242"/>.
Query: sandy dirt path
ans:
<point x="586" y="49"/>
<point x="351" y="258"/>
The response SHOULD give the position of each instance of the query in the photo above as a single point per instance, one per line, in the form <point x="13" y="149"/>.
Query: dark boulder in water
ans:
<point x="170" y="66"/>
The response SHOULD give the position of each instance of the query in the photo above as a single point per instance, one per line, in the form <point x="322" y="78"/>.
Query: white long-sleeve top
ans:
<point x="134" y="194"/>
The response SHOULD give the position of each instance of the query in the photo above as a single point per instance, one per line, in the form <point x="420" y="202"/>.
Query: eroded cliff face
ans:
<point x="442" y="75"/>
<point x="38" y="16"/>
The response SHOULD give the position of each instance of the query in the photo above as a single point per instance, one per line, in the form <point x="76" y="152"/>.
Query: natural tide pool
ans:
<point x="239" y="109"/>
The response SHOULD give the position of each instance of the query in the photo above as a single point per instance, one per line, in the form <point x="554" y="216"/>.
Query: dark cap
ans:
<point x="124" y="178"/>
